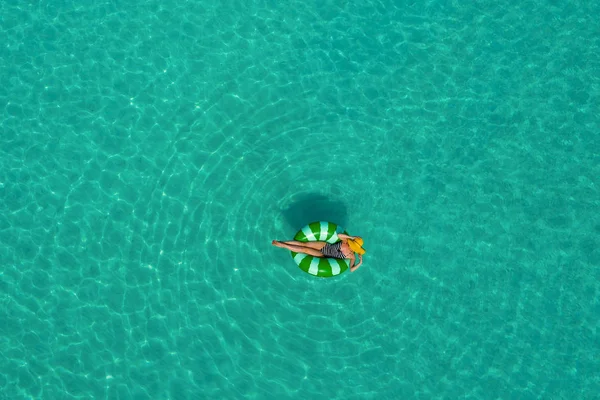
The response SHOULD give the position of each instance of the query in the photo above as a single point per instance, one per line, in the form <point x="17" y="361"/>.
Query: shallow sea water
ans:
<point x="151" y="150"/>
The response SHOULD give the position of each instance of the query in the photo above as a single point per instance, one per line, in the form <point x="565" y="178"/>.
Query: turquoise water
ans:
<point x="150" y="152"/>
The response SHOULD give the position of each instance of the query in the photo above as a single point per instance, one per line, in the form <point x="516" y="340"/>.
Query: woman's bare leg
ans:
<point x="298" y="249"/>
<point x="311" y="245"/>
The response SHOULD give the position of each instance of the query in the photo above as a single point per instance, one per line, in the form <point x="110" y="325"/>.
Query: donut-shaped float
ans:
<point x="322" y="267"/>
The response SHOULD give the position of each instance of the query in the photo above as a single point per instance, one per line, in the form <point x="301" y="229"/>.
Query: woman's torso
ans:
<point x="335" y="250"/>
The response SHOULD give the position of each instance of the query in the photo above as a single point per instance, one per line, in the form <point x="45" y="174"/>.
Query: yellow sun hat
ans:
<point x="356" y="245"/>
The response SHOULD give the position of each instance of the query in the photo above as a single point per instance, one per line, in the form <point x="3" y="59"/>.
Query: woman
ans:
<point x="344" y="249"/>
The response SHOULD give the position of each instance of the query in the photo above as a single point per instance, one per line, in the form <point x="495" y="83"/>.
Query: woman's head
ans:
<point x="356" y="245"/>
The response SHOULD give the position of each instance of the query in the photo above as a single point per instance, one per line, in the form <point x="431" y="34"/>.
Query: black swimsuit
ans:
<point x="333" y="250"/>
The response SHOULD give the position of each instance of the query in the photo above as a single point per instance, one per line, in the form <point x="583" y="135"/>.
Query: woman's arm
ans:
<point x="352" y="259"/>
<point x="352" y="266"/>
<point x="343" y="236"/>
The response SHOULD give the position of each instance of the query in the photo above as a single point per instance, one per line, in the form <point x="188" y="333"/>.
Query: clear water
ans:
<point x="150" y="151"/>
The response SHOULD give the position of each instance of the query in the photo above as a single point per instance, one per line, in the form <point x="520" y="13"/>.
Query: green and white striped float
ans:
<point x="319" y="266"/>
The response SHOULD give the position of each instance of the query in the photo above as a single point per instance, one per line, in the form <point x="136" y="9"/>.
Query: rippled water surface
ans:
<point x="151" y="150"/>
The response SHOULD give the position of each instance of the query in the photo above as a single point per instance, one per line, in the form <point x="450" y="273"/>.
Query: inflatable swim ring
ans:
<point x="320" y="266"/>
